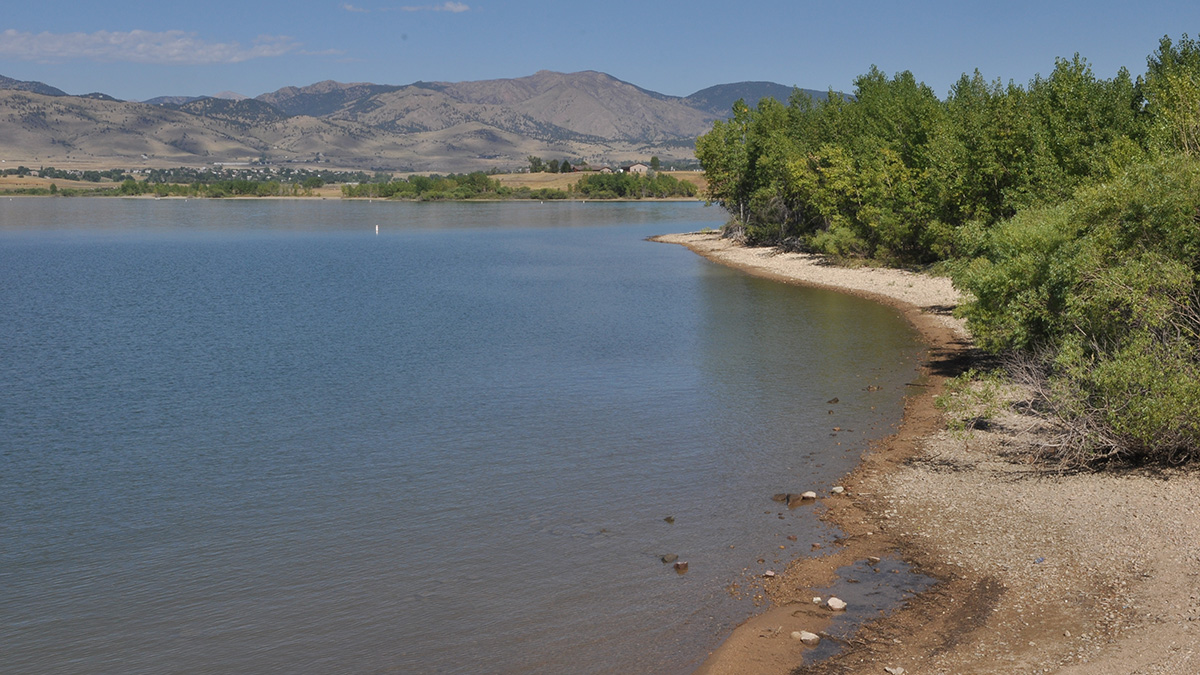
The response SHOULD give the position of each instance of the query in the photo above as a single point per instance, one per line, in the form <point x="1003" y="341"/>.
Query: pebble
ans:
<point x="670" y="558"/>
<point x="836" y="604"/>
<point x="806" y="637"/>
<point x="681" y="567"/>
<point x="837" y="490"/>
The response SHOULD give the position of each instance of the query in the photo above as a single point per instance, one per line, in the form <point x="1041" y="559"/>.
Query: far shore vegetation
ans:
<point x="287" y="182"/>
<point x="1067" y="209"/>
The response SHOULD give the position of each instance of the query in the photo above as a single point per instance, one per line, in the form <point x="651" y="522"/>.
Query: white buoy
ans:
<point x="377" y="228"/>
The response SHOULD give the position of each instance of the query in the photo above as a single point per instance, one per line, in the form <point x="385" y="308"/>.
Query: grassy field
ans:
<point x="12" y="183"/>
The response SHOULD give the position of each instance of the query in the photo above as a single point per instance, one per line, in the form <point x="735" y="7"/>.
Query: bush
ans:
<point x="1106" y="287"/>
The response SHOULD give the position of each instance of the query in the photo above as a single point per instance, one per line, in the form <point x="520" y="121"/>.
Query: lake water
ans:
<point x="256" y="436"/>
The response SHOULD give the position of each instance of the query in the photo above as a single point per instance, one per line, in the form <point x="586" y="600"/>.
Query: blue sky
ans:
<point x="137" y="50"/>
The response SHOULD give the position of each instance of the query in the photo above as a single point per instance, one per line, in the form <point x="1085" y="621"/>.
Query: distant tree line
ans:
<point x="632" y="185"/>
<point x="289" y="175"/>
<point x="70" y="174"/>
<point x="216" y="189"/>
<point x="479" y="185"/>
<point x="538" y="165"/>
<point x="1067" y="209"/>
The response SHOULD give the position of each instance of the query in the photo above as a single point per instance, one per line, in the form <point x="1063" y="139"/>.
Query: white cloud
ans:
<point x="173" y="47"/>
<point x="455" y="7"/>
<point x="351" y="8"/>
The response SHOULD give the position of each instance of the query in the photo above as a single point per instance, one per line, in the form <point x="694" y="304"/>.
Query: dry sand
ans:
<point x="1038" y="572"/>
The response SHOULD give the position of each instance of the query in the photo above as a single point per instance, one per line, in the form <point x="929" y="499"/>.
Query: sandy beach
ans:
<point x="1038" y="571"/>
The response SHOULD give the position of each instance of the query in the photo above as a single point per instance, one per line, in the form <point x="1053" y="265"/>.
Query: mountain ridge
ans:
<point x="587" y="116"/>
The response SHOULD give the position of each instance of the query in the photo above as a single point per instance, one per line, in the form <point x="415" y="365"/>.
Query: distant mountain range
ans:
<point x="425" y="126"/>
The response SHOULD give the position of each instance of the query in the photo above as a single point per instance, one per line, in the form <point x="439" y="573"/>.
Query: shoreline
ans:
<point x="1036" y="571"/>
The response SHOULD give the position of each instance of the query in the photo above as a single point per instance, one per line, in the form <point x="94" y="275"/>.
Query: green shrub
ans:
<point x="1106" y="285"/>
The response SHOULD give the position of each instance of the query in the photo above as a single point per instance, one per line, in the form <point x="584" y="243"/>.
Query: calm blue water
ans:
<point x="258" y="437"/>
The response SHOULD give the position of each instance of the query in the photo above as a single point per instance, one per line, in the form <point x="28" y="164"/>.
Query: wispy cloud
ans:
<point x="173" y="47"/>
<point x="455" y="7"/>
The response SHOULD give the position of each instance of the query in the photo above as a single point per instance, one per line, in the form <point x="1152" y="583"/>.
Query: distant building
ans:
<point x="636" y="168"/>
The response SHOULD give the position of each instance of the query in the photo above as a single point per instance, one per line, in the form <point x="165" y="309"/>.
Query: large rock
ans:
<point x="836" y="604"/>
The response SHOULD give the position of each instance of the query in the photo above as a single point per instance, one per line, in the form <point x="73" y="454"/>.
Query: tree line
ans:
<point x="479" y="185"/>
<point x="1066" y="208"/>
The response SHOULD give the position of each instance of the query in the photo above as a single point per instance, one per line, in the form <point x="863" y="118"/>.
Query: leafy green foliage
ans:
<point x="892" y="172"/>
<point x="1172" y="90"/>
<point x="1068" y="209"/>
<point x="1107" y="287"/>
<point x="632" y="186"/>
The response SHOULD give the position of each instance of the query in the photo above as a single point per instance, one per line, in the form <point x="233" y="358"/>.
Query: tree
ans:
<point x="655" y="163"/>
<point x="535" y="164"/>
<point x="1172" y="90"/>
<point x="552" y="167"/>
<point x="722" y="155"/>
<point x="565" y="167"/>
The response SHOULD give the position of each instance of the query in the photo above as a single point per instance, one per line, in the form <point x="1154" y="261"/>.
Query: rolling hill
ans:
<point x="425" y="126"/>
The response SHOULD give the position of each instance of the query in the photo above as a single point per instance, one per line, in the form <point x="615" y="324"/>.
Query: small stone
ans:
<point x="836" y="604"/>
<point x="894" y="671"/>
<point x="808" y="495"/>
<point x="837" y="489"/>
<point x="817" y="601"/>
<point x="832" y="400"/>
<point x="681" y="567"/>
<point x="874" y="560"/>
<point x="779" y="497"/>
<point x="770" y="574"/>
<point x="669" y="520"/>
<point x="806" y="637"/>
<point x="670" y="558"/>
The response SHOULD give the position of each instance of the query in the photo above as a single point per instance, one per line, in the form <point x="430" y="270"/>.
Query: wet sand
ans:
<point x="1038" y="571"/>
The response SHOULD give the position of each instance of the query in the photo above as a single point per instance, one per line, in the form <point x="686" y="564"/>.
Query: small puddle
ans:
<point x="870" y="591"/>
